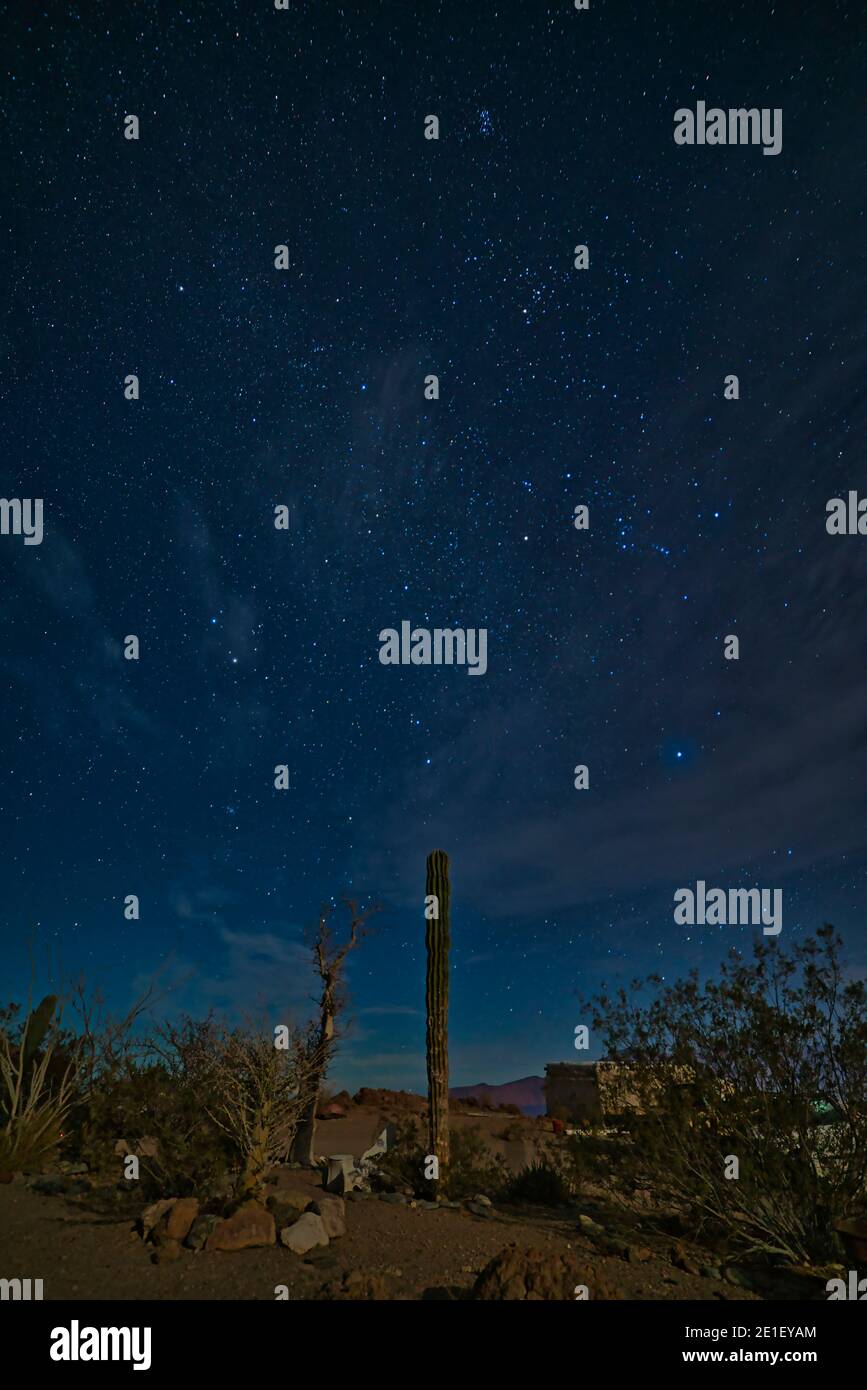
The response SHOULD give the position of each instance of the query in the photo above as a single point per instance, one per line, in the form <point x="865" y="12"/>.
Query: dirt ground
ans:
<point x="82" y="1256"/>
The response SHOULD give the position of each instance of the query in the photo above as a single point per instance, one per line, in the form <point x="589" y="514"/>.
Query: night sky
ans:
<point x="304" y="387"/>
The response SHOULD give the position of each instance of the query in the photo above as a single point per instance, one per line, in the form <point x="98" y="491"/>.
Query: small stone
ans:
<point x="682" y="1260"/>
<point x="307" y="1233"/>
<point x="477" y="1209"/>
<point x="148" y="1147"/>
<point x="709" y="1272"/>
<point x="153" y="1214"/>
<point x="200" y="1230"/>
<point x="121" y="1148"/>
<point x="288" y="1195"/>
<point x="638" y="1254"/>
<point x="333" y="1214"/>
<point x="180" y="1218"/>
<point x="356" y="1287"/>
<point x="482" y="1200"/>
<point x="249" y="1226"/>
<point x="395" y="1199"/>
<point x="586" y="1223"/>
<point x="50" y="1186"/>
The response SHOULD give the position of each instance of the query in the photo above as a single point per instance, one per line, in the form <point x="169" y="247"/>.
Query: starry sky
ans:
<point x="304" y="387"/>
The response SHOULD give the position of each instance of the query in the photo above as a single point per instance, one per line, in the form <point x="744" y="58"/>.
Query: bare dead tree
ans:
<point x="329" y="958"/>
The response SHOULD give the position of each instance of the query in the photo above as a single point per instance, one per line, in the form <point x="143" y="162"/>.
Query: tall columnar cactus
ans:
<point x="438" y="892"/>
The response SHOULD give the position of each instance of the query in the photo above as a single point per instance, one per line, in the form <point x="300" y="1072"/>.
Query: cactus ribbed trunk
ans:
<point x="437" y="1001"/>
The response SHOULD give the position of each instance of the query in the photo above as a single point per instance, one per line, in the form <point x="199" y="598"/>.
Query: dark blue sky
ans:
<point x="304" y="387"/>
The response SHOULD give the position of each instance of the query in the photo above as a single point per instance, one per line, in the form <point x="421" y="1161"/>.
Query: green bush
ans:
<point x="193" y="1155"/>
<point x="732" y="1068"/>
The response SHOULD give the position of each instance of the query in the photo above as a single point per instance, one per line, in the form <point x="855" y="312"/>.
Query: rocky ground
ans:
<point x="297" y="1242"/>
<point x="390" y="1249"/>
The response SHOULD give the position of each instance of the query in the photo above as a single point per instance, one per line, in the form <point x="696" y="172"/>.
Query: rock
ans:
<point x="306" y="1234"/>
<point x="682" y="1260"/>
<point x="482" y="1200"/>
<point x="286" y="1207"/>
<point x="121" y="1148"/>
<point x="536" y="1276"/>
<point x="321" y="1259"/>
<point x="50" y="1186"/>
<point x="396" y="1199"/>
<point x="709" y="1272"/>
<point x="638" y="1254"/>
<point x="477" y="1209"/>
<point x="152" y="1215"/>
<point x="250" y="1225"/>
<point x="72" y="1170"/>
<point x="180" y="1218"/>
<point x="333" y="1213"/>
<point x="148" y="1147"/>
<point x="429" y="1206"/>
<point x="200" y="1230"/>
<point x="285" y="1180"/>
<point x="586" y="1223"/>
<point x="733" y="1274"/>
<point x="356" y="1287"/>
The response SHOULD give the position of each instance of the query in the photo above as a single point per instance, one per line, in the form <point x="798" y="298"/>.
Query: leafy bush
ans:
<point x="473" y="1168"/>
<point x="732" y="1068"/>
<point x="193" y="1156"/>
<point x="403" y="1165"/>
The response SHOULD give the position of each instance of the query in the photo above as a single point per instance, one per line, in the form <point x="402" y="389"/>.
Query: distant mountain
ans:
<point x="528" y="1094"/>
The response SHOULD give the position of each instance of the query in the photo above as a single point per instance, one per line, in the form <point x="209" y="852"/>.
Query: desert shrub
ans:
<point x="255" y="1093"/>
<point x="733" y="1067"/>
<point x="223" y="1105"/>
<point x="473" y="1167"/>
<point x="511" y="1131"/>
<point x="539" y="1184"/>
<point x="403" y="1165"/>
<point x="193" y="1156"/>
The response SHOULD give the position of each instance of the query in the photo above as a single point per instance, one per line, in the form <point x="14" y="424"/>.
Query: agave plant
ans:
<point x="32" y="1109"/>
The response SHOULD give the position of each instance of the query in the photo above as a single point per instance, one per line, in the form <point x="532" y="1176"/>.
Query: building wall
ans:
<point x="588" y="1090"/>
<point x="572" y="1087"/>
